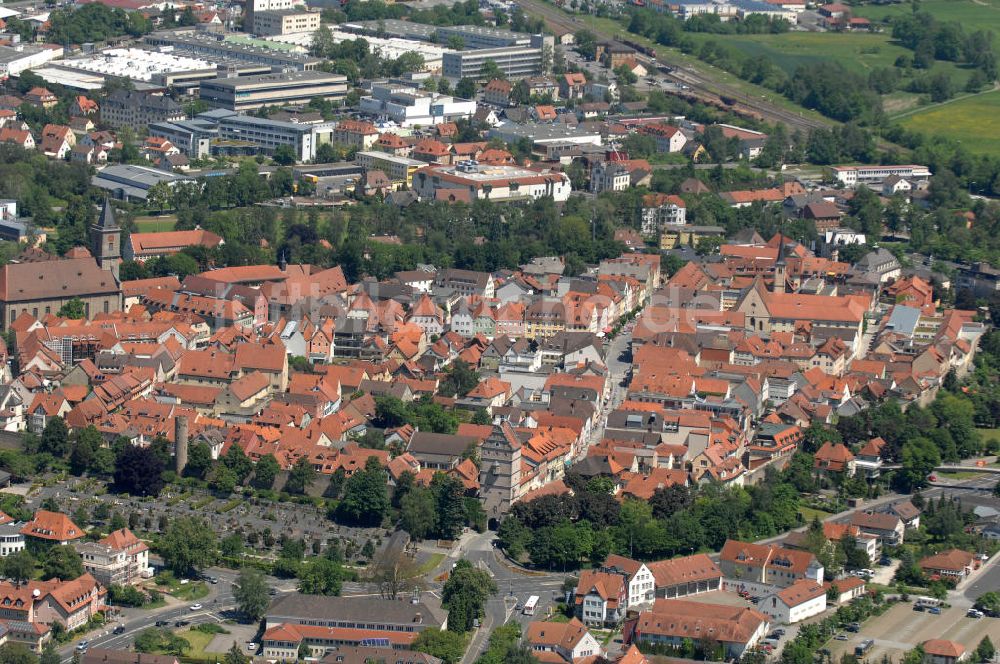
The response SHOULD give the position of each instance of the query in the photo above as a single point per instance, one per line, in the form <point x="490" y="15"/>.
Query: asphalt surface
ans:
<point x="217" y="606"/>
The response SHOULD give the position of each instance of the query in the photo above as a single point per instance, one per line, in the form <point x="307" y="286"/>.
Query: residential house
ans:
<point x="768" y="564"/>
<point x="834" y="458"/>
<point x="568" y="642"/>
<point x="52" y="527"/>
<point x="736" y="629"/>
<point x="601" y="597"/>
<point x="888" y="528"/>
<point x="942" y="651"/>
<point x="952" y="565"/>
<point x="803" y="599"/>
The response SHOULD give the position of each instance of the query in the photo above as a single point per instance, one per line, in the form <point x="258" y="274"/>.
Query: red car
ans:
<point x="932" y="478"/>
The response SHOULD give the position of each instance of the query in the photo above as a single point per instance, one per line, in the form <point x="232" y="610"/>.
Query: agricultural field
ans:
<point x="971" y="119"/>
<point x="972" y="14"/>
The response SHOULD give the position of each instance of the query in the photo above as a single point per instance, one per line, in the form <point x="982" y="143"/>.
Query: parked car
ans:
<point x="975" y="613"/>
<point x="82" y="646"/>
<point x="182" y="623"/>
<point x="853" y="627"/>
<point x="840" y="637"/>
<point x="935" y="610"/>
<point x="195" y="607"/>
<point x="162" y="623"/>
<point x="120" y="629"/>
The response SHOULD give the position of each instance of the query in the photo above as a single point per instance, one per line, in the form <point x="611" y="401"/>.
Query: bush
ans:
<point x="211" y="628"/>
<point x="127" y="596"/>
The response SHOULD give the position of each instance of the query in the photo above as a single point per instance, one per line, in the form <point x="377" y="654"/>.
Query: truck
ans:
<point x="863" y="647"/>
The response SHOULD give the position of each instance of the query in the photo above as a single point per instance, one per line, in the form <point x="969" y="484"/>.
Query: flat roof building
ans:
<point x="131" y="182"/>
<point x="233" y="49"/>
<point x="472" y="36"/>
<point x="269" y="134"/>
<point x="409" y="107"/>
<point x="467" y="181"/>
<point x="397" y="169"/>
<point x="513" y="61"/>
<point x="245" y="93"/>
<point x="545" y="133"/>
<point x="285" y="22"/>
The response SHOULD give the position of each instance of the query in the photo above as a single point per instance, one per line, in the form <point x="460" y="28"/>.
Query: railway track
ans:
<point x="705" y="89"/>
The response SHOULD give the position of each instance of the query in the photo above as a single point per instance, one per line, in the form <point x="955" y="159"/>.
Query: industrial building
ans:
<point x="246" y="93"/>
<point x="472" y="180"/>
<point x="15" y="59"/>
<point x="285" y="22"/>
<point x="513" y="61"/>
<point x="220" y="48"/>
<point x="267" y="134"/>
<point x="388" y="47"/>
<point x="545" y="133"/>
<point x="472" y="36"/>
<point x="409" y="107"/>
<point x="132" y="183"/>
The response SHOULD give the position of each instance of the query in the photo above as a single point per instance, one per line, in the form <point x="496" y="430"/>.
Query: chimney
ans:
<point x="180" y="443"/>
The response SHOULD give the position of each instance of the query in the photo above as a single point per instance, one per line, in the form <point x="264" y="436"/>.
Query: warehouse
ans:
<point x="247" y="93"/>
<point x="470" y="179"/>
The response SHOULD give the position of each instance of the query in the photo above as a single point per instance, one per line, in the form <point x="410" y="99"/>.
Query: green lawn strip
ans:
<point x="973" y="121"/>
<point x="810" y="513"/>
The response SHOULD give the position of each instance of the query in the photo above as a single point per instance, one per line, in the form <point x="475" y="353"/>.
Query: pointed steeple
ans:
<point x="107" y="218"/>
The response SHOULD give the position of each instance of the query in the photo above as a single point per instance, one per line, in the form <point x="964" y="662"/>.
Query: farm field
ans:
<point x="972" y="14"/>
<point x="973" y="120"/>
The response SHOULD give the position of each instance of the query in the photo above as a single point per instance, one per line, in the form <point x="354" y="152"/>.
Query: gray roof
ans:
<point x="296" y="607"/>
<point x="426" y="442"/>
<point x="903" y="320"/>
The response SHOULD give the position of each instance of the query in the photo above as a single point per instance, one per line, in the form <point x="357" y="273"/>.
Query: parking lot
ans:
<point x="901" y="628"/>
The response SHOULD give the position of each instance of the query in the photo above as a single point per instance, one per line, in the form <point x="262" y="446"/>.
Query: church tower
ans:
<point x="105" y="240"/>
<point x="780" y="268"/>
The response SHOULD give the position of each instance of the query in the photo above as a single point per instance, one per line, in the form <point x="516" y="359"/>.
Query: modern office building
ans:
<point x="233" y="49"/>
<point x="126" y="108"/>
<point x="409" y="107"/>
<point x="285" y="22"/>
<point x="192" y="137"/>
<point x="15" y="59"/>
<point x="397" y="169"/>
<point x="247" y="93"/>
<point x="513" y="61"/>
<point x="471" y="180"/>
<point x="267" y="135"/>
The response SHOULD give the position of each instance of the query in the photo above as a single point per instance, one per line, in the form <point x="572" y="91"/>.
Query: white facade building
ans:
<point x="409" y="107"/>
<point x="854" y="175"/>
<point x="471" y="180"/>
<point x="803" y="599"/>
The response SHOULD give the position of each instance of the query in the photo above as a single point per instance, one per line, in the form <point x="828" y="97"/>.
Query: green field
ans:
<point x="972" y="14"/>
<point x="973" y="120"/>
<point x="151" y="224"/>
<point x="810" y="513"/>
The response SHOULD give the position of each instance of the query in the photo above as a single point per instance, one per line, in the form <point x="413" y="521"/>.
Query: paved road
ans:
<point x="218" y="605"/>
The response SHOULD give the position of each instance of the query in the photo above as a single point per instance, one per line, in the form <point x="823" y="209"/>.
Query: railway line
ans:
<point x="700" y="88"/>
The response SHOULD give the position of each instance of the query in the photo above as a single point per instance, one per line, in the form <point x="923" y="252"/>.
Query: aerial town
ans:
<point x="499" y="331"/>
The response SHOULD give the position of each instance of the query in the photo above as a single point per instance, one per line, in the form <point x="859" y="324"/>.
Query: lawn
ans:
<point x="156" y="224"/>
<point x="428" y="565"/>
<point x="972" y="14"/>
<point x="973" y="120"/>
<point x="810" y="513"/>
<point x="199" y="641"/>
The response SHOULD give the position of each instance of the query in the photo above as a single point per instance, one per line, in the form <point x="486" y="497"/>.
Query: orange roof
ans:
<point x="943" y="648"/>
<point x="53" y="526"/>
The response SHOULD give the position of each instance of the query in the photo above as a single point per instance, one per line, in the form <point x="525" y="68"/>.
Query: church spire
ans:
<point x="107" y="218"/>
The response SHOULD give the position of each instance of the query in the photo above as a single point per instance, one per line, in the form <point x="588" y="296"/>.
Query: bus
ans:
<point x="863" y="647"/>
<point x="922" y="603"/>
<point x="530" y="605"/>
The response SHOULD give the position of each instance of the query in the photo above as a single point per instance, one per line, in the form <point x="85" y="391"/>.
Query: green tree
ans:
<point x="73" y="309"/>
<point x="417" y="513"/>
<point x="50" y="654"/>
<point x="199" y="460"/>
<point x="919" y="458"/>
<point x="985" y="651"/>
<point x="284" y="155"/>
<point x="231" y="545"/>
<point x="235" y="656"/>
<point x="466" y="89"/>
<point x="62" y="562"/>
<point x="460" y="378"/>
<point x="86" y="442"/>
<point x="188" y="544"/>
<point x="448" y="493"/>
<point x="252" y="594"/>
<point x="55" y="438"/>
<point x="301" y="477"/>
<point x="236" y="460"/>
<point x="139" y="471"/>
<point x="446" y="645"/>
<point x="18" y="567"/>
<point x="366" y="496"/>
<point x="465" y="594"/>
<point x="17" y="653"/>
<point x="265" y="472"/>
<point x="321" y="576"/>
